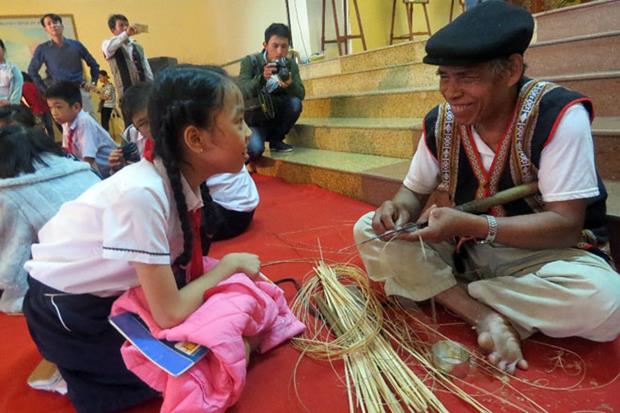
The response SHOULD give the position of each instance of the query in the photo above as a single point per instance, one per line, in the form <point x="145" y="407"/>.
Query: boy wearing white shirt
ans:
<point x="82" y="136"/>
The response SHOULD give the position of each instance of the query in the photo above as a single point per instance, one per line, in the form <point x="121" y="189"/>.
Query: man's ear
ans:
<point x="192" y="137"/>
<point x="77" y="106"/>
<point x="264" y="45"/>
<point x="515" y="68"/>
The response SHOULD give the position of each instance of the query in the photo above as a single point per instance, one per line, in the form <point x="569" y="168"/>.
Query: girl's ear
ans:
<point x="193" y="138"/>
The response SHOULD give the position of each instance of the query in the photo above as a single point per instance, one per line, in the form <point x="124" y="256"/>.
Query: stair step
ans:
<point x="397" y="54"/>
<point x="567" y="22"/>
<point x="601" y="87"/>
<point x="577" y="20"/>
<point x="606" y="133"/>
<point x="544" y="59"/>
<point x="613" y="198"/>
<point x="384" y="78"/>
<point x="580" y="54"/>
<point x="398" y="138"/>
<point x="416" y="101"/>
<point x="401" y="103"/>
<point x="369" y="178"/>
<point x="392" y="137"/>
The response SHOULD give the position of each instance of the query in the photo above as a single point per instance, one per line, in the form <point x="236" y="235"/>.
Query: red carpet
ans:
<point x="292" y="220"/>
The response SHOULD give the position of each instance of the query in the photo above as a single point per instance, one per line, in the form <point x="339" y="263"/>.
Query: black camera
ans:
<point x="130" y="152"/>
<point x="281" y="68"/>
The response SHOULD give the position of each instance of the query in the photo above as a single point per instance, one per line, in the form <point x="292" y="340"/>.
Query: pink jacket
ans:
<point x="234" y="308"/>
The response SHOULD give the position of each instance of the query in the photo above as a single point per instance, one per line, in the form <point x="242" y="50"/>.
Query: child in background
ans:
<point x="82" y="136"/>
<point x="11" y="80"/>
<point x="36" y="178"/>
<point x="32" y="98"/>
<point x="135" y="228"/>
<point x="133" y="106"/>
<point x="107" y="94"/>
<point x="230" y="198"/>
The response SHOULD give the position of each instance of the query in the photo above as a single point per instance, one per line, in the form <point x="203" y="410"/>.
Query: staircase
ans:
<point x="363" y="113"/>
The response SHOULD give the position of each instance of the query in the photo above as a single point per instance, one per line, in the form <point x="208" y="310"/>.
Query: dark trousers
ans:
<point x="106" y="113"/>
<point x="287" y="111"/>
<point x="73" y="332"/>
<point x="233" y="223"/>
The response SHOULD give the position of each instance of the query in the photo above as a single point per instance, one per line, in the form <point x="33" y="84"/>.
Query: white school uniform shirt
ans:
<point x="235" y="192"/>
<point x="131" y="134"/>
<point x="90" y="140"/>
<point x="567" y="169"/>
<point x="5" y="81"/>
<point x="88" y="246"/>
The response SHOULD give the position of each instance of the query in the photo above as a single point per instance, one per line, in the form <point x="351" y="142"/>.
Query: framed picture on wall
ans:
<point x="22" y="34"/>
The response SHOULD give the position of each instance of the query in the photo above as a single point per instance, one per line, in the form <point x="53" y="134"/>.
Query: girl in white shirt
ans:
<point x="137" y="228"/>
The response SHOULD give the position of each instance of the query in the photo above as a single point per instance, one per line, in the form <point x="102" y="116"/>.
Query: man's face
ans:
<point x="53" y="28"/>
<point x="474" y="92"/>
<point x="61" y="111"/>
<point x="120" y="26"/>
<point x="276" y="47"/>
<point x="141" y="122"/>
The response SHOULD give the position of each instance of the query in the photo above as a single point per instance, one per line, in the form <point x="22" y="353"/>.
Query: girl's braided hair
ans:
<point x="182" y="96"/>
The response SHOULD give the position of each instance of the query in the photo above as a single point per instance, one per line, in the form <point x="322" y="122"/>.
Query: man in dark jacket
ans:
<point x="271" y="73"/>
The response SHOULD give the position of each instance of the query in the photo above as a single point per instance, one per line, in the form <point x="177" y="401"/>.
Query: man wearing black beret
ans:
<point x="534" y="264"/>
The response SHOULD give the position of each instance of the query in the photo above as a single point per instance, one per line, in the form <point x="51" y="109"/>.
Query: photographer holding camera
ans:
<point x="273" y="91"/>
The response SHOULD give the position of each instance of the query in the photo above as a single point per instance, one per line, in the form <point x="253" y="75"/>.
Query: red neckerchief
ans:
<point x="196" y="268"/>
<point x="70" y="135"/>
<point x="148" y="150"/>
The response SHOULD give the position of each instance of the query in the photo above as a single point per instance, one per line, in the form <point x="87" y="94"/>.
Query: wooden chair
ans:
<point x="461" y="2"/>
<point x="340" y="39"/>
<point x="409" y="11"/>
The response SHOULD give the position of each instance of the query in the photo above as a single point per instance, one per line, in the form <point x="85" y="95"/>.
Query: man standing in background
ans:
<point x="126" y="57"/>
<point x="63" y="61"/>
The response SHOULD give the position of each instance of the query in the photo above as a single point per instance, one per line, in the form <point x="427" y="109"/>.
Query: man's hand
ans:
<point x="268" y="70"/>
<point x="131" y="30"/>
<point x="446" y="223"/>
<point x="287" y="83"/>
<point x="4" y="102"/>
<point x="389" y="216"/>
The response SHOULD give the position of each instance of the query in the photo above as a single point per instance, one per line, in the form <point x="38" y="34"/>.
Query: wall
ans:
<point x="376" y="17"/>
<point x="193" y="31"/>
<point x="211" y="31"/>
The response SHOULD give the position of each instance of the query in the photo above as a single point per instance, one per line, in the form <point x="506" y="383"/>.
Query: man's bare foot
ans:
<point x="497" y="337"/>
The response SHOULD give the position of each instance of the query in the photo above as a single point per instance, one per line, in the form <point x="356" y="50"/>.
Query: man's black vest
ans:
<point x="540" y="106"/>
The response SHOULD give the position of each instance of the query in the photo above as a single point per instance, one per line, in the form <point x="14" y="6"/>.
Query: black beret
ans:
<point x="490" y="30"/>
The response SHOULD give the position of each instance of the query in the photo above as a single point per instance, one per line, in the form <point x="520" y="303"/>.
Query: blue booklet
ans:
<point x="175" y="357"/>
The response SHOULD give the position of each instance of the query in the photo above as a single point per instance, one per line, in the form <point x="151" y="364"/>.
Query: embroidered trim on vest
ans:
<point x="449" y="149"/>
<point x="516" y="146"/>
<point x="521" y="168"/>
